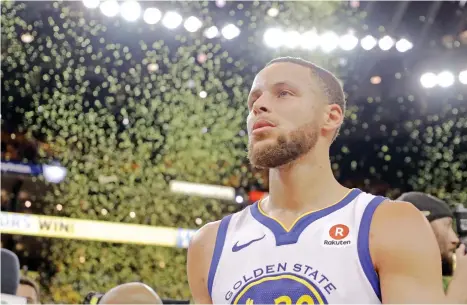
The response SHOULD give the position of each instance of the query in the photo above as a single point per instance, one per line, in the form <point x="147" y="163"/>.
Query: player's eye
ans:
<point x="284" y="93"/>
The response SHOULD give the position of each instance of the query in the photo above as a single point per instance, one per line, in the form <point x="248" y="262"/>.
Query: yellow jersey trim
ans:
<point x="301" y="216"/>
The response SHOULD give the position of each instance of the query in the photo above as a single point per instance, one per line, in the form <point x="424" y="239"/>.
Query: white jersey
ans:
<point x="324" y="258"/>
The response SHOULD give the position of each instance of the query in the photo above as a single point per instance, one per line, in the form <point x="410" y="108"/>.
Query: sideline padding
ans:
<point x="106" y="231"/>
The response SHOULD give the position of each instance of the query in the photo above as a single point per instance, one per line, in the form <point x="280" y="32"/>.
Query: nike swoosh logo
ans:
<point x="237" y="247"/>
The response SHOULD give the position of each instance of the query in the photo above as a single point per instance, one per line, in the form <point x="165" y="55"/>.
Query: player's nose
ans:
<point x="262" y="105"/>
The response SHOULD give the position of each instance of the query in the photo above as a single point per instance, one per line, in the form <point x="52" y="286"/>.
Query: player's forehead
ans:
<point x="283" y="73"/>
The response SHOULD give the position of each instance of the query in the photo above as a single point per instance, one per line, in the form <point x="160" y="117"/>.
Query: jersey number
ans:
<point x="286" y="300"/>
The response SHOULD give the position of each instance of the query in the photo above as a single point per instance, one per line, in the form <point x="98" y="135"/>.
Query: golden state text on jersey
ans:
<point x="323" y="258"/>
<point x="281" y="283"/>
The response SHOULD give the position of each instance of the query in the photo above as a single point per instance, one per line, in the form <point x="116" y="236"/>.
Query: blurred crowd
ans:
<point x="17" y="289"/>
<point x="18" y="147"/>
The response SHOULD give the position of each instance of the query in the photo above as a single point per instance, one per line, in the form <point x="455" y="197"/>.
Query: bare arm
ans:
<point x="406" y="255"/>
<point x="199" y="261"/>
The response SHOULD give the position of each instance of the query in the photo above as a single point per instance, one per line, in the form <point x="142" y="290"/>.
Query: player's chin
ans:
<point x="260" y="144"/>
<point x="257" y="150"/>
<point x="257" y="159"/>
<point x="263" y="136"/>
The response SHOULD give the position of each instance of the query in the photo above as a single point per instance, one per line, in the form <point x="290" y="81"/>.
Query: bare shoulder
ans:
<point x="400" y="221"/>
<point x="400" y="226"/>
<point x="205" y="238"/>
<point x="199" y="258"/>
<point x="390" y="210"/>
<point x="405" y="254"/>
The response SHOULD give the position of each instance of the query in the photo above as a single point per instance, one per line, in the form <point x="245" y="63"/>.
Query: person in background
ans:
<point x="148" y="295"/>
<point x="28" y="289"/>
<point x="440" y="217"/>
<point x="131" y="293"/>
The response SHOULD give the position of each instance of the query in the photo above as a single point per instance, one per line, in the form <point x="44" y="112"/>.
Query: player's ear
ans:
<point x="333" y="117"/>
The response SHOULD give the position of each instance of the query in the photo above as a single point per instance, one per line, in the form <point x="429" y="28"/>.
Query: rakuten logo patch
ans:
<point x="337" y="236"/>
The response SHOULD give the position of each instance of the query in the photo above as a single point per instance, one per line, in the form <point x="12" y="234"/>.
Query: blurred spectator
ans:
<point x="29" y="289"/>
<point x="131" y="293"/>
<point x="17" y="147"/>
<point x="440" y="217"/>
<point x="5" y="197"/>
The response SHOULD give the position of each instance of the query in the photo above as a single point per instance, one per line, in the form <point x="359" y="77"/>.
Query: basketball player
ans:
<point x="311" y="240"/>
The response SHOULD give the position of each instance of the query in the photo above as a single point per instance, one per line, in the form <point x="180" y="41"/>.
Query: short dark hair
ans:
<point x="27" y="281"/>
<point x="328" y="82"/>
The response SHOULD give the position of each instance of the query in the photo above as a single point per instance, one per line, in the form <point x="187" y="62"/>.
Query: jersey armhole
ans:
<point x="363" y="244"/>
<point x="219" y="246"/>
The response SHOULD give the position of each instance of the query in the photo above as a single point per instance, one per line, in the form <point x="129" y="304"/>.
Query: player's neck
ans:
<point x="305" y="184"/>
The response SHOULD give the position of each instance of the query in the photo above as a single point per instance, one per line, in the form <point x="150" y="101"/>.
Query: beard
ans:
<point x="285" y="149"/>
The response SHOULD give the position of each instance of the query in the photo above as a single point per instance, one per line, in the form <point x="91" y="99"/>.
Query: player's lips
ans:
<point x="262" y="125"/>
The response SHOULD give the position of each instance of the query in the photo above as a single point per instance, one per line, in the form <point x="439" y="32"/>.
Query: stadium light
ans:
<point x="403" y="45"/>
<point x="230" y="31"/>
<point x="273" y="12"/>
<point x="54" y="173"/>
<point x="273" y="37"/>
<point x="130" y="10"/>
<point x="292" y="39"/>
<point x="368" y="42"/>
<point x="309" y="40"/>
<point x="220" y="3"/>
<point x="91" y="3"/>
<point x="429" y="80"/>
<point x="239" y="199"/>
<point x="153" y="67"/>
<point x="192" y="24"/>
<point x="211" y="32"/>
<point x="27" y="38"/>
<point x="445" y="79"/>
<point x="375" y="80"/>
<point x="152" y="15"/>
<point x="386" y="43"/>
<point x="348" y="42"/>
<point x="172" y="20"/>
<point x="463" y="77"/>
<point x="329" y="41"/>
<point x="110" y="8"/>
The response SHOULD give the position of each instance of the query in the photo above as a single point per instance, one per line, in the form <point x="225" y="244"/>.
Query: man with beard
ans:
<point x="311" y="240"/>
<point x="440" y="216"/>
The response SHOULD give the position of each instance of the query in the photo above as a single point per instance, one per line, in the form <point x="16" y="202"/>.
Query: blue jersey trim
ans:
<point x="284" y="237"/>
<point x="363" y="244"/>
<point x="216" y="256"/>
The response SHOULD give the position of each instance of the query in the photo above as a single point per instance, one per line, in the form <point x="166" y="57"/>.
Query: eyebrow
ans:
<point x="275" y="85"/>
<point x="284" y="83"/>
